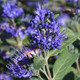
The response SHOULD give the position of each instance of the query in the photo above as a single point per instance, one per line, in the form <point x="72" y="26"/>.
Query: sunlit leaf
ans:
<point x="63" y="64"/>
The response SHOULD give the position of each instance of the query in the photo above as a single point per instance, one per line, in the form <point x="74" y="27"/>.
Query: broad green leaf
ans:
<point x="12" y="42"/>
<point x="64" y="45"/>
<point x="38" y="62"/>
<point x="63" y="64"/>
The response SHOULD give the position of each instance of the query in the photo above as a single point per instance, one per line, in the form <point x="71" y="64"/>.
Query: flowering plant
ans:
<point x="39" y="41"/>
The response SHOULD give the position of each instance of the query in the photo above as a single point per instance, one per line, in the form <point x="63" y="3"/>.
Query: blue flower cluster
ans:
<point x="62" y="19"/>
<point x="5" y="77"/>
<point x="11" y="10"/>
<point x="35" y="2"/>
<point x="72" y="1"/>
<point x="45" y="31"/>
<point x="13" y="30"/>
<point x="78" y="10"/>
<point x="19" y="64"/>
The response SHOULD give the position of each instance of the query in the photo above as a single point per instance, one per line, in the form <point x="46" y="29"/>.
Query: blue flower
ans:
<point x="45" y="31"/>
<point x="15" y="32"/>
<point x="62" y="19"/>
<point x="0" y="0"/>
<point x="73" y="1"/>
<point x="78" y="10"/>
<point x="19" y="71"/>
<point x="16" y="66"/>
<point x="35" y="2"/>
<point x="5" y="77"/>
<point x="69" y="0"/>
<point x="11" y="10"/>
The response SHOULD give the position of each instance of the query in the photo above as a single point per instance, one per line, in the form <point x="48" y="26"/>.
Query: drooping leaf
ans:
<point x="12" y="42"/>
<point x="38" y="62"/>
<point x="63" y="64"/>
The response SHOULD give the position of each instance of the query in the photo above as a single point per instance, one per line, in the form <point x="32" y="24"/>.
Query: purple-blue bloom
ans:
<point x="69" y="0"/>
<point x="15" y="32"/>
<point x="36" y="2"/>
<point x="45" y="30"/>
<point x="11" y="10"/>
<point x="5" y="77"/>
<point x="16" y="66"/>
<point x="72" y="1"/>
<point x="62" y="19"/>
<point x="78" y="10"/>
<point x="19" y="71"/>
<point x="0" y="0"/>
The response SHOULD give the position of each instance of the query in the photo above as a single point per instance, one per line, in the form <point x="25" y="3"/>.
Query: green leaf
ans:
<point x="64" y="45"/>
<point x="38" y="62"/>
<point x="63" y="64"/>
<point x="69" y="32"/>
<point x="56" y="16"/>
<point x="12" y="42"/>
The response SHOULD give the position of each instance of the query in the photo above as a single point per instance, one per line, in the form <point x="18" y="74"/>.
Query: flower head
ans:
<point x="15" y="32"/>
<point x="11" y="10"/>
<point x="19" y="64"/>
<point x="44" y="30"/>
<point x="19" y="71"/>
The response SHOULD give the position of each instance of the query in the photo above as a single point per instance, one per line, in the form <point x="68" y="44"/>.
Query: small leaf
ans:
<point x="38" y="62"/>
<point x="12" y="42"/>
<point x="63" y="64"/>
<point x="56" y="16"/>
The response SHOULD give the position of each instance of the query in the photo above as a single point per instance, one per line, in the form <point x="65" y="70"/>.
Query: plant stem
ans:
<point x="47" y="67"/>
<point x="77" y="64"/>
<point x="44" y="73"/>
<point x="14" y="22"/>
<point x="40" y="77"/>
<point x="19" y="42"/>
